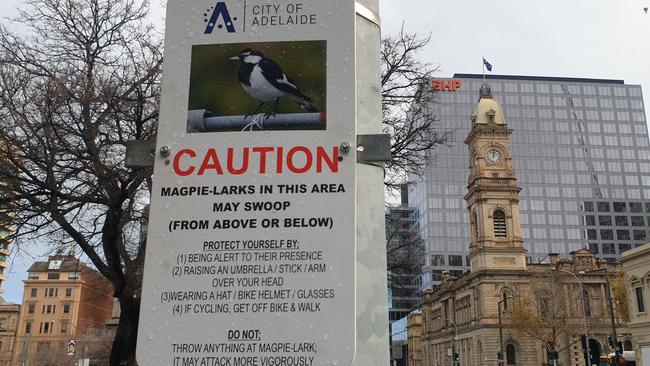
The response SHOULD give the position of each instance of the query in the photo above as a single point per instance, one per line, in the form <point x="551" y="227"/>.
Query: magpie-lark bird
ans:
<point x="264" y="79"/>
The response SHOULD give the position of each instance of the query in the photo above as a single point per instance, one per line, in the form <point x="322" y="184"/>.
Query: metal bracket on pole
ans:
<point x="373" y="148"/>
<point x="140" y="154"/>
<point x="367" y="14"/>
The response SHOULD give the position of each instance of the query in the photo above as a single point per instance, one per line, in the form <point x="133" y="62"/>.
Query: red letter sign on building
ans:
<point x="449" y="85"/>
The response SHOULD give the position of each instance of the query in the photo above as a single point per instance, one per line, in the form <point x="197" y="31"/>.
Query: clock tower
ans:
<point x="492" y="191"/>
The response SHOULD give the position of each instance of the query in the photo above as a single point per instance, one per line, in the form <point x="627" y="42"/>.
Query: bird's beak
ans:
<point x="234" y="58"/>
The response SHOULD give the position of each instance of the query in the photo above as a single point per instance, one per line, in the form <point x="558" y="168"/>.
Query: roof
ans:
<point x="488" y="109"/>
<point x="66" y="266"/>
<point x="635" y="253"/>
<point x="538" y="78"/>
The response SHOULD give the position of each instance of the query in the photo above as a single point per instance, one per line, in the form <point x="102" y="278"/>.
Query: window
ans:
<point x="64" y="326"/>
<point x="34" y="292"/>
<point x="607" y="234"/>
<point x="639" y="234"/>
<point x="31" y="308"/>
<point x="49" y="309"/>
<point x="605" y="220"/>
<point x="590" y="220"/>
<point x="603" y="207"/>
<point x="506" y="295"/>
<point x="622" y="221"/>
<point x="637" y="221"/>
<point x="635" y="207"/>
<point x="623" y="234"/>
<point x="28" y="327"/>
<point x="68" y="292"/>
<point x="609" y="249"/>
<point x="66" y="308"/>
<point x="456" y="260"/>
<point x="74" y="275"/>
<point x="624" y="247"/>
<point x="592" y="234"/>
<point x="511" y="357"/>
<point x="53" y="275"/>
<point x="640" y="301"/>
<point x="499" y="219"/>
<point x="456" y="273"/>
<point x="32" y="276"/>
<point x="3" y="323"/>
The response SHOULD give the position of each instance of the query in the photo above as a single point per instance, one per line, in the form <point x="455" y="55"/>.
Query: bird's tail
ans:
<point x="306" y="103"/>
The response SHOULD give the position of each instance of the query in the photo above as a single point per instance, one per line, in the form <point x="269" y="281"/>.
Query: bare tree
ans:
<point x="80" y="82"/>
<point x="407" y="112"/>
<point x="543" y="314"/>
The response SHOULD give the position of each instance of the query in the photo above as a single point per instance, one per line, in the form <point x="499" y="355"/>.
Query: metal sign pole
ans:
<point x="371" y="287"/>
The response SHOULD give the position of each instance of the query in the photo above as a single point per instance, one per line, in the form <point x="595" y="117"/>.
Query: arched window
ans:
<point x="506" y="299"/>
<point x="499" y="218"/>
<point x="587" y="304"/>
<point x="511" y="355"/>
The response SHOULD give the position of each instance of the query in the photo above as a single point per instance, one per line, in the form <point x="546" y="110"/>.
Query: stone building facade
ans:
<point x="8" y="325"/>
<point x="476" y="315"/>
<point x="636" y="265"/>
<point x="414" y="326"/>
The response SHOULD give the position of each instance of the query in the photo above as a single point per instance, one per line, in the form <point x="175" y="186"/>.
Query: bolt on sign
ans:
<point x="250" y="254"/>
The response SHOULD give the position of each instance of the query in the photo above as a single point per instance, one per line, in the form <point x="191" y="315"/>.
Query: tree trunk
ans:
<point x="123" y="351"/>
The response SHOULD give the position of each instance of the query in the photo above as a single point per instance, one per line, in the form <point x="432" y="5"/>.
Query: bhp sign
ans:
<point x="449" y="85"/>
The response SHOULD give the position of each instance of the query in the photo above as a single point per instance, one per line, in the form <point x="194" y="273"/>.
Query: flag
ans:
<point x="487" y="64"/>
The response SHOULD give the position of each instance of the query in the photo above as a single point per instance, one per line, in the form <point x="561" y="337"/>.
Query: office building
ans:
<point x="404" y="251"/>
<point x="583" y="165"/>
<point x="64" y="301"/>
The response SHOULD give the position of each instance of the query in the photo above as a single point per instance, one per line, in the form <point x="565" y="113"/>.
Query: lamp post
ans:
<point x="453" y="343"/>
<point x="584" y="313"/>
<point x="501" y="355"/>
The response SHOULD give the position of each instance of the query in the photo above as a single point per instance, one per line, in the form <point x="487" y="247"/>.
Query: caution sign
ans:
<point x="251" y="244"/>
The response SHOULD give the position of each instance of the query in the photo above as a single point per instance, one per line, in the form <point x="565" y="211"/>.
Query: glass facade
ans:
<point x="581" y="154"/>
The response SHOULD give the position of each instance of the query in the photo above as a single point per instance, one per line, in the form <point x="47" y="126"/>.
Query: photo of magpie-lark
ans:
<point x="265" y="81"/>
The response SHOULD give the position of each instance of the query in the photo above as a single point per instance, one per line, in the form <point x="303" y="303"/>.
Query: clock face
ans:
<point x="493" y="156"/>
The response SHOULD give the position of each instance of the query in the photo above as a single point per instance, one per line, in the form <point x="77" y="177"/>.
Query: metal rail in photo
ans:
<point x="201" y="120"/>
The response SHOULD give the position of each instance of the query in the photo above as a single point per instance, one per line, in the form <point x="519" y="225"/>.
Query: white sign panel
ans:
<point x="251" y="244"/>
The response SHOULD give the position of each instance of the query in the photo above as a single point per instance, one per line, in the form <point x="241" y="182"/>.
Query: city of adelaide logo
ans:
<point x="217" y="12"/>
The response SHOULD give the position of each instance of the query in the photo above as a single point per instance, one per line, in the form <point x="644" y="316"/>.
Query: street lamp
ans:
<point x="501" y="355"/>
<point x="584" y="313"/>
<point x="453" y="344"/>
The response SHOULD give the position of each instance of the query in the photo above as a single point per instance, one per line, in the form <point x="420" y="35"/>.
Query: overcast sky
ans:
<point x="605" y="39"/>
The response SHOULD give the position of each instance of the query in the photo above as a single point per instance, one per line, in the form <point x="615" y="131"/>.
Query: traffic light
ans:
<point x="609" y="341"/>
<point x="555" y="355"/>
<point x="499" y="356"/>
<point x="456" y="359"/>
<point x="583" y="341"/>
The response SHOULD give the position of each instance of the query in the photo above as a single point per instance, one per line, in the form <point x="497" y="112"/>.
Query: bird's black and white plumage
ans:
<point x="264" y="80"/>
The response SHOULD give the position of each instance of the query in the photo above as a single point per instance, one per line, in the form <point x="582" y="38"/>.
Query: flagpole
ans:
<point x="483" y="63"/>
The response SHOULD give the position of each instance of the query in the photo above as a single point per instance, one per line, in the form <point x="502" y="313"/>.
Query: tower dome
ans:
<point x="487" y="109"/>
